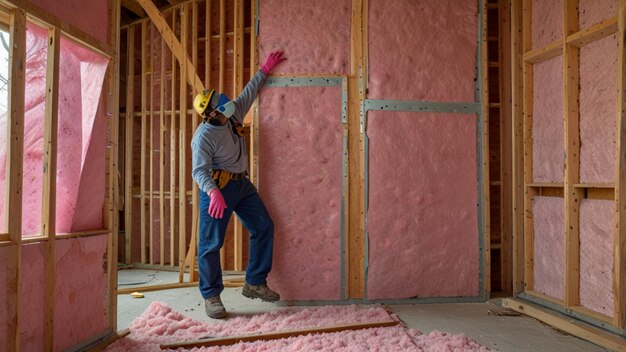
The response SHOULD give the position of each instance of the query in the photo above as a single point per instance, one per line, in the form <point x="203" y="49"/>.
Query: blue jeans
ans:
<point x="242" y="198"/>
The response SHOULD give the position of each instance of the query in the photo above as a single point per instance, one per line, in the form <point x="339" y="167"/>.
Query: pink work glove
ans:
<point x="273" y="59"/>
<point x="217" y="206"/>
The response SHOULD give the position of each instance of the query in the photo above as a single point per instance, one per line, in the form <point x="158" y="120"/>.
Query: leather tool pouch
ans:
<point x="221" y="178"/>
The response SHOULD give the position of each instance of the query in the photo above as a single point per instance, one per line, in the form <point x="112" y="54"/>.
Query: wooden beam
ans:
<point x="529" y="193"/>
<point x="355" y="231"/>
<point x="545" y="53"/>
<point x="569" y="325"/>
<point x="48" y="213"/>
<point x="182" y="177"/>
<point x="506" y="148"/>
<point x="111" y="215"/>
<point x="231" y="340"/>
<point x="171" y="41"/>
<point x="128" y="144"/>
<point x="517" y="115"/>
<point x="173" y="138"/>
<point x="571" y="138"/>
<point x="134" y="7"/>
<point x="150" y="175"/>
<point x="222" y="83"/>
<point x="619" y="250"/>
<point x="484" y="99"/>
<point x="207" y="43"/>
<point x="593" y="33"/>
<point x="129" y="290"/>
<point x="162" y="83"/>
<point x="143" y="146"/>
<point x="195" y="196"/>
<point x="238" y="54"/>
<point x="14" y="153"/>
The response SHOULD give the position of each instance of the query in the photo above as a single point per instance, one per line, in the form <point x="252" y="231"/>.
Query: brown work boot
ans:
<point x="260" y="291"/>
<point x="214" y="307"/>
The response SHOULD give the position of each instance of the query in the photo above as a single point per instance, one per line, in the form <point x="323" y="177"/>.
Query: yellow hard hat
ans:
<point x="202" y="100"/>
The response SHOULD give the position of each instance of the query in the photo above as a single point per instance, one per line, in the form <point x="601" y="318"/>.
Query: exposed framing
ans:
<point x="571" y="190"/>
<point x="17" y="13"/>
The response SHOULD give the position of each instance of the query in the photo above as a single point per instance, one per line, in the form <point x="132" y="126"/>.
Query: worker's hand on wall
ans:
<point x="273" y="59"/>
<point x="217" y="206"/>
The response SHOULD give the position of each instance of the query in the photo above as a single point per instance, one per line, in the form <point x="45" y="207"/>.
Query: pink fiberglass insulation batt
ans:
<point x="32" y="276"/>
<point x="549" y="246"/>
<point x="160" y="325"/>
<point x="597" y="229"/>
<point x="81" y="290"/>
<point x="300" y="175"/>
<point x="598" y="100"/>
<point x="422" y="50"/>
<point x="90" y="16"/>
<point x="547" y="22"/>
<point x="422" y="214"/>
<point x="7" y="309"/>
<point x="591" y="12"/>
<point x="547" y="121"/>
<point x="315" y="35"/>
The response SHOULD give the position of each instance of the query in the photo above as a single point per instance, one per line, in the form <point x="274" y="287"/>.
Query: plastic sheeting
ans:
<point x="81" y="139"/>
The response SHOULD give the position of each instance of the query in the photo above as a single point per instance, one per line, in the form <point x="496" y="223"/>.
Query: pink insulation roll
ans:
<point x="422" y="214"/>
<point x="90" y="16"/>
<point x="547" y="121"/>
<point x="32" y="288"/>
<point x="300" y="180"/>
<point x="317" y="39"/>
<point x="549" y="246"/>
<point x="422" y="50"/>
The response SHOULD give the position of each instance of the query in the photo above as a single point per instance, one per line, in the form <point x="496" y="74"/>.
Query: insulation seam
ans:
<point x="293" y="81"/>
<point x="422" y="106"/>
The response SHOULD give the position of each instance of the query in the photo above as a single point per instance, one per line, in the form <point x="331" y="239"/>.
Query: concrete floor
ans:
<point x="502" y="333"/>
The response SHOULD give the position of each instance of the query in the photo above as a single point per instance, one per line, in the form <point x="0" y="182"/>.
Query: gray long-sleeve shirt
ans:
<point x="218" y="147"/>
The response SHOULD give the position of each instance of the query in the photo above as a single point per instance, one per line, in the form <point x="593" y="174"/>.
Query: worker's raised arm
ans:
<point x="249" y="93"/>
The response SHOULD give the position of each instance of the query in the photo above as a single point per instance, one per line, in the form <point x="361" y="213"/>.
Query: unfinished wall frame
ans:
<point x="19" y="13"/>
<point x="201" y="40"/>
<point x="571" y="191"/>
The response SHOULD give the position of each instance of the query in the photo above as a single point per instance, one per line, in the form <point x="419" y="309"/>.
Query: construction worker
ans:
<point x="220" y="165"/>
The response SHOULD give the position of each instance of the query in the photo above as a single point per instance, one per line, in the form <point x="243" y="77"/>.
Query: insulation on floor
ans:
<point x="422" y="214"/>
<point x="549" y="246"/>
<point x="597" y="233"/>
<point x="300" y="180"/>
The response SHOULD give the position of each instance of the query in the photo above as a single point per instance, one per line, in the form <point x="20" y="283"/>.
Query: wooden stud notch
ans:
<point x="231" y="340"/>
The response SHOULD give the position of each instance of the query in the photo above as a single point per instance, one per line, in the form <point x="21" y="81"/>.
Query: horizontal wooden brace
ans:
<point x="547" y="52"/>
<point x="593" y="33"/>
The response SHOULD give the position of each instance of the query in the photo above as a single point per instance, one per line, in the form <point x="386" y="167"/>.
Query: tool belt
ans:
<point x="221" y="177"/>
